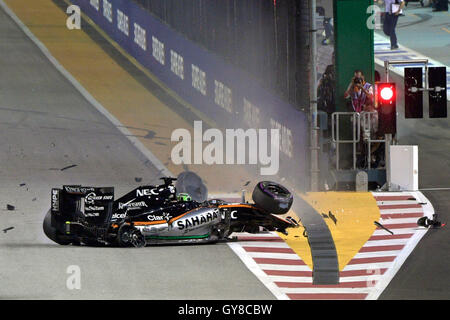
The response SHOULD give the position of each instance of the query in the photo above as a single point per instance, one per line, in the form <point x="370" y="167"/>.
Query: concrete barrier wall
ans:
<point x="225" y="94"/>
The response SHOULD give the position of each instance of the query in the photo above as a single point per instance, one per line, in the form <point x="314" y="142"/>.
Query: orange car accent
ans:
<point x="236" y="205"/>
<point x="146" y="223"/>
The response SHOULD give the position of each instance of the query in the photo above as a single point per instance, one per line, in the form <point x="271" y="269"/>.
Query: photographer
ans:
<point x="360" y="92"/>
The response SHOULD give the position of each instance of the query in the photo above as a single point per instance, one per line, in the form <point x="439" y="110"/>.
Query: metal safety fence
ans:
<point x="363" y="131"/>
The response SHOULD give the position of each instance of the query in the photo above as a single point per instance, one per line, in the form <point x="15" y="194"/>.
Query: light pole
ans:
<point x="314" y="146"/>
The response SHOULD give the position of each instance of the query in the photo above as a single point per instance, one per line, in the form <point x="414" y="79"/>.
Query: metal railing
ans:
<point x="362" y="123"/>
<point x="367" y="133"/>
<point x="335" y="133"/>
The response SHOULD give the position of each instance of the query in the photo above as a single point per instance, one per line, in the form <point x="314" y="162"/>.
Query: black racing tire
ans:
<point x="129" y="236"/>
<point x="51" y="232"/>
<point x="123" y="235"/>
<point x="272" y="197"/>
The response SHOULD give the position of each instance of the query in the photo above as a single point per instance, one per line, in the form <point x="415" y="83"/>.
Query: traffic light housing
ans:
<point x="413" y="93"/>
<point x="437" y="82"/>
<point x="387" y="108"/>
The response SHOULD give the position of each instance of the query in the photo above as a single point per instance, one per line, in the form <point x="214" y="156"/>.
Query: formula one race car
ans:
<point x="159" y="215"/>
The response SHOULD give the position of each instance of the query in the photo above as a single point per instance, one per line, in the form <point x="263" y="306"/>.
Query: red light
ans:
<point x="386" y="93"/>
<point x="386" y="104"/>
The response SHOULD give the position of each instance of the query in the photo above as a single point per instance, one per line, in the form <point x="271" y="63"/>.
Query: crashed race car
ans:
<point x="150" y="215"/>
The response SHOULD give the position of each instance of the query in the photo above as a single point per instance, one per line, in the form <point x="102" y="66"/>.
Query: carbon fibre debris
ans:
<point x="7" y="229"/>
<point x="68" y="167"/>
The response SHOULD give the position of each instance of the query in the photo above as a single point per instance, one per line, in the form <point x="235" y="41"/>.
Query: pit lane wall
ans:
<point x="223" y="93"/>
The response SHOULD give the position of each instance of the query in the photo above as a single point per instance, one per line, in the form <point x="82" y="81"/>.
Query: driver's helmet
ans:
<point x="184" y="197"/>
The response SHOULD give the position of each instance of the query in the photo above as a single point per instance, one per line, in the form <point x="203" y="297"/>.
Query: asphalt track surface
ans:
<point x="46" y="125"/>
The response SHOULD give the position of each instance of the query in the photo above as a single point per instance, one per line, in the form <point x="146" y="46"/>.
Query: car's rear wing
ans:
<point x="92" y="204"/>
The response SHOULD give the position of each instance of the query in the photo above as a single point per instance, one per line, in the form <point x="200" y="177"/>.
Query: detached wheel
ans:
<point x="51" y="232"/>
<point x="272" y="197"/>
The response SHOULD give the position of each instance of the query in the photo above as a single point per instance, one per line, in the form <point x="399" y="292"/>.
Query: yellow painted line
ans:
<point x="414" y="15"/>
<point x="299" y="244"/>
<point x="446" y="30"/>
<point x="355" y="213"/>
<point x="115" y="89"/>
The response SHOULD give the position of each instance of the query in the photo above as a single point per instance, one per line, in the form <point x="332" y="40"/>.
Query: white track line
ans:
<point x="377" y="254"/>
<point x="326" y="290"/>
<point x="396" y="202"/>
<point x="402" y="210"/>
<point x="392" y="194"/>
<point x="393" y="242"/>
<point x="367" y="266"/>
<point x="281" y="267"/>
<point x="393" y="221"/>
<point x="271" y="255"/>
<point x="290" y="279"/>
<point x="371" y="277"/>
<point x="265" y="244"/>
<point x="381" y="232"/>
